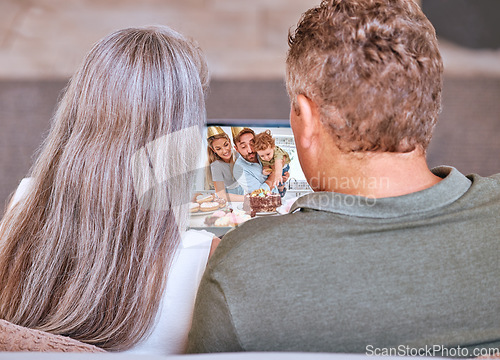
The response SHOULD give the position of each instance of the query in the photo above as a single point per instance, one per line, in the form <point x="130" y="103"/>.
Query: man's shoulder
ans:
<point x="239" y="165"/>
<point x="240" y="162"/>
<point x="266" y="236"/>
<point x="495" y="178"/>
<point x="250" y="234"/>
<point x="486" y="185"/>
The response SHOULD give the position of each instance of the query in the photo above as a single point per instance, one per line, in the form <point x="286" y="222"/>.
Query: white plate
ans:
<point x="266" y="213"/>
<point x="199" y="212"/>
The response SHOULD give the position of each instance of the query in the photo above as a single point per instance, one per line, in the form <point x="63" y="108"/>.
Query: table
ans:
<point x="197" y="221"/>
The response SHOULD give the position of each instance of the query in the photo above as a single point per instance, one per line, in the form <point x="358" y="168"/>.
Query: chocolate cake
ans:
<point x="263" y="201"/>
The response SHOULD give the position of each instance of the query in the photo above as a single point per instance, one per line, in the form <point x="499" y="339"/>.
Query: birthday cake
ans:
<point x="262" y="201"/>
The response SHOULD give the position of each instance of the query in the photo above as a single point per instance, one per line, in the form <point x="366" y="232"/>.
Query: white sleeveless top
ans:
<point x="173" y="320"/>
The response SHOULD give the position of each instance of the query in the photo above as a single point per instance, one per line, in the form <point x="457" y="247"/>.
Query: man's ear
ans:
<point x="309" y="120"/>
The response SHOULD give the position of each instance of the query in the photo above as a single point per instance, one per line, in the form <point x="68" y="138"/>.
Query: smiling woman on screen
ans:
<point x="221" y="159"/>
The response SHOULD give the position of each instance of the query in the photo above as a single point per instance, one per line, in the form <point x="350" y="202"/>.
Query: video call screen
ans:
<point x="283" y="136"/>
<point x="232" y="214"/>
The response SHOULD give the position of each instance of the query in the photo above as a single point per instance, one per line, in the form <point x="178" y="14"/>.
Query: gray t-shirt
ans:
<point x="222" y="171"/>
<point x="350" y="274"/>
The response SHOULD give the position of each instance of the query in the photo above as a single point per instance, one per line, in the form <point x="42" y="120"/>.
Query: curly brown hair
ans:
<point x="374" y="69"/>
<point x="263" y="141"/>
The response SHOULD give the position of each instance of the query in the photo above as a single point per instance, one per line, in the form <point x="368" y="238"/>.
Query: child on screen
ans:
<point x="275" y="161"/>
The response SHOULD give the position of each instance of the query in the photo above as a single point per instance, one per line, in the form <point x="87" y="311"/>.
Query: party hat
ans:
<point x="214" y="130"/>
<point x="235" y="130"/>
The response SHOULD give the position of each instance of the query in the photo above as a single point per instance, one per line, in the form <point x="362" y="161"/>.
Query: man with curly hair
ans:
<point x="386" y="257"/>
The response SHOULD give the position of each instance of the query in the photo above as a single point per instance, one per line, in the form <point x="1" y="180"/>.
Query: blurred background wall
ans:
<point x="242" y="39"/>
<point x="43" y="41"/>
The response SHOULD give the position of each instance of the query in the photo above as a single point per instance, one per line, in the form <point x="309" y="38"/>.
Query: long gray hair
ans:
<point x="81" y="255"/>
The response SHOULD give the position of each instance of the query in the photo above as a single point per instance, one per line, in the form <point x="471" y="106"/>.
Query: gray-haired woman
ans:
<point x="83" y="252"/>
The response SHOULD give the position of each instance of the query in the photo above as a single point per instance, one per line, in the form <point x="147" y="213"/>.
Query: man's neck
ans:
<point x="376" y="175"/>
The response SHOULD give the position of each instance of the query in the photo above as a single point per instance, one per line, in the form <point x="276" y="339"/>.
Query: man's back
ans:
<point x="350" y="274"/>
